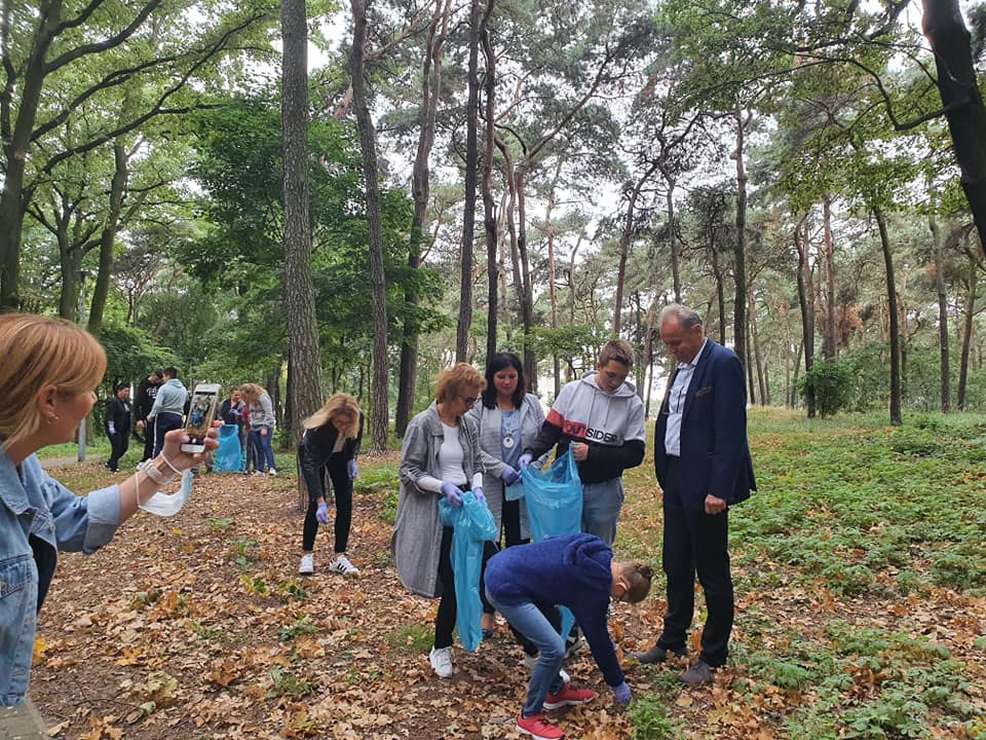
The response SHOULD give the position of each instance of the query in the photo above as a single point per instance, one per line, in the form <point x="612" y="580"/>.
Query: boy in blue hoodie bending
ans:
<point x="576" y="571"/>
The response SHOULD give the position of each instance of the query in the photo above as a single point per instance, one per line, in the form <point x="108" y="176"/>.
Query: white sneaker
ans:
<point x="307" y="566"/>
<point x="441" y="662"/>
<point x="531" y="660"/>
<point x="272" y="471"/>
<point x="342" y="566"/>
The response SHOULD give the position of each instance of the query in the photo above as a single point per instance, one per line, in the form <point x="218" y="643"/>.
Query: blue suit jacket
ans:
<point x="715" y="454"/>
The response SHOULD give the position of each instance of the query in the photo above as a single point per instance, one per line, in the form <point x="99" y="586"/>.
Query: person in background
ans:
<point x="576" y="571"/>
<point x="143" y="403"/>
<point x="440" y="458"/>
<point x="246" y="439"/>
<point x="262" y="422"/>
<point x="48" y="376"/>
<point x="169" y="407"/>
<point x="509" y="420"/>
<point x="702" y="463"/>
<point x="330" y="444"/>
<point x="231" y="410"/>
<point x="118" y="425"/>
<point x="601" y="419"/>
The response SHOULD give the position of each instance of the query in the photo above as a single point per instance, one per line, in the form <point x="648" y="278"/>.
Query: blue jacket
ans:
<point x="715" y="454"/>
<point x="37" y="510"/>
<point x="573" y="571"/>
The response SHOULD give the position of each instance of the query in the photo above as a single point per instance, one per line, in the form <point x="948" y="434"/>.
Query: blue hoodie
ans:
<point x="572" y="571"/>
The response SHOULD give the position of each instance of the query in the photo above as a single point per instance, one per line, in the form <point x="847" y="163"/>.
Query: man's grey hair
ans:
<point x="684" y="316"/>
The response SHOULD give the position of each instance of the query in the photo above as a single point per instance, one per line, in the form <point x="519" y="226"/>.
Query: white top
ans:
<point x="676" y="402"/>
<point x="450" y="456"/>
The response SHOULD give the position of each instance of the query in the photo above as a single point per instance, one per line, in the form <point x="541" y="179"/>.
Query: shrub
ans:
<point x="832" y="383"/>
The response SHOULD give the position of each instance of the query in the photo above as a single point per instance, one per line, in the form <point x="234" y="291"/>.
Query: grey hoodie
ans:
<point x="612" y="424"/>
<point x="170" y="399"/>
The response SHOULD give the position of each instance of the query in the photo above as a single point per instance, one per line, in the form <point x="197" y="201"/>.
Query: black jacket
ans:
<point x="315" y="450"/>
<point x="144" y="399"/>
<point x="118" y="413"/>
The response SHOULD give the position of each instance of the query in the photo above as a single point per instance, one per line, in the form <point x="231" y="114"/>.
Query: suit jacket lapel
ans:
<point x="667" y="390"/>
<point x="697" y="378"/>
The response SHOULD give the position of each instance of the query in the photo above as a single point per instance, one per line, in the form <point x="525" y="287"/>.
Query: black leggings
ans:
<point x="445" y="621"/>
<point x="343" y="487"/>
<point x="510" y="530"/>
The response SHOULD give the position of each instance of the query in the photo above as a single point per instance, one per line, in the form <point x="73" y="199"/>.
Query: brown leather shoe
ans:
<point x="699" y="674"/>
<point x="657" y="654"/>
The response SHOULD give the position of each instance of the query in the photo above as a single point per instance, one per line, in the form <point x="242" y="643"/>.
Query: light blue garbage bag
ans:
<point x="229" y="457"/>
<point x="554" y="507"/>
<point x="473" y="524"/>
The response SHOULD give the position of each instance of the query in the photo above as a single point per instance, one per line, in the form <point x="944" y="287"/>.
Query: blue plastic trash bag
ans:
<point x="473" y="524"/>
<point x="554" y="507"/>
<point x="229" y="457"/>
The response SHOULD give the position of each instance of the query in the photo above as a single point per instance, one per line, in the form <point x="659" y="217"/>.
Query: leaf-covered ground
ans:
<point x="860" y="569"/>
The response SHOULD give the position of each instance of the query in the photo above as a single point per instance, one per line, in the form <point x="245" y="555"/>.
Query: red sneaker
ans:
<point x="538" y="727"/>
<point x="568" y="697"/>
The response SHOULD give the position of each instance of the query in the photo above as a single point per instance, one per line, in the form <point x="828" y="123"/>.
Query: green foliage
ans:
<point x="650" y="721"/>
<point x="301" y="626"/>
<point x="831" y="382"/>
<point x="131" y="353"/>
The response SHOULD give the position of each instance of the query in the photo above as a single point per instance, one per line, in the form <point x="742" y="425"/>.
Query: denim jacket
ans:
<point x="38" y="517"/>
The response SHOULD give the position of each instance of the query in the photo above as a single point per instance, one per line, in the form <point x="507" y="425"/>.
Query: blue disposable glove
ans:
<point x="478" y="493"/>
<point x="509" y="476"/>
<point x="525" y="460"/>
<point x="322" y="513"/>
<point x="352" y="469"/>
<point x="621" y="693"/>
<point x="452" y="494"/>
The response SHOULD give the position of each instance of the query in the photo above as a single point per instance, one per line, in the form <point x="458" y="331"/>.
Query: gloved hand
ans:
<point x="509" y="476"/>
<point x="452" y="494"/>
<point x="352" y="469"/>
<point x="111" y="426"/>
<point x="322" y="513"/>
<point x="525" y="460"/>
<point x="478" y="493"/>
<point x="621" y="694"/>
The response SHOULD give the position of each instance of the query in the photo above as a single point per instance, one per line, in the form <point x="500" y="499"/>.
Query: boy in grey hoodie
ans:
<point x="601" y="418"/>
<point x="168" y="409"/>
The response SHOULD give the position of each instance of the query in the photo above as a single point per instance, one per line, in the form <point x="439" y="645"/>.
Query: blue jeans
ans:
<point x="527" y="619"/>
<point x="601" y="504"/>
<point x="263" y="448"/>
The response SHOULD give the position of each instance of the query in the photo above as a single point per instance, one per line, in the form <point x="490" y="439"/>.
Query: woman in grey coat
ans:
<point x="440" y="457"/>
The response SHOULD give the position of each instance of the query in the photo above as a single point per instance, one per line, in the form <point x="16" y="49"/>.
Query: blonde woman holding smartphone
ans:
<point x="48" y="377"/>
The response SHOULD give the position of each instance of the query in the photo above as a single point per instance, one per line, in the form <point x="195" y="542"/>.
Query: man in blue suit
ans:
<point x="702" y="461"/>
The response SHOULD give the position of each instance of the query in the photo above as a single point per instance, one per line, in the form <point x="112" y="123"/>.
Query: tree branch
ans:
<point x="94" y="48"/>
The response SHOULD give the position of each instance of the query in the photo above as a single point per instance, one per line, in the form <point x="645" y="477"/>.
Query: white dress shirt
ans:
<point x="676" y="402"/>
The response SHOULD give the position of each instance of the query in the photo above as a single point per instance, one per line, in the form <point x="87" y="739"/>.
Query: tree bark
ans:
<point x="957" y="84"/>
<point x="469" y="209"/>
<point x="379" y="415"/>
<point x="739" y="248"/>
<point x="894" y="318"/>
<point x="943" y="360"/>
<point x="552" y="297"/>
<point x="107" y="239"/>
<point x="304" y="366"/>
<point x="758" y="358"/>
<point x="527" y="298"/>
<point x="431" y="81"/>
<point x="970" y="314"/>
<point x="489" y="211"/>
<point x="829" y="339"/>
<point x="626" y="239"/>
<point x="673" y="240"/>
<point x="807" y="316"/>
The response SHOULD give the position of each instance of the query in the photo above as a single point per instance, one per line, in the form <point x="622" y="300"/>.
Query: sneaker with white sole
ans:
<point x="342" y="566"/>
<point x="441" y="662"/>
<point x="531" y="660"/>
<point x="272" y="471"/>
<point x="538" y="727"/>
<point x="569" y="696"/>
<point x="307" y="566"/>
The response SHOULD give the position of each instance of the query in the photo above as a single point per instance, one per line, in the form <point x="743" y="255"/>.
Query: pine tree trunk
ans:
<point x="431" y="76"/>
<point x="957" y="84"/>
<point x="739" y="248"/>
<point x="829" y="341"/>
<point x="894" y="319"/>
<point x="489" y="211"/>
<point x="943" y="363"/>
<point x="464" y="324"/>
<point x="970" y="314"/>
<point x="755" y="338"/>
<point x="305" y="366"/>
<point x="807" y="317"/>
<point x="379" y="415"/>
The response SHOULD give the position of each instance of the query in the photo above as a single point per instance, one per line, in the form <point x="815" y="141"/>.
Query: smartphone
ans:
<point x="201" y="412"/>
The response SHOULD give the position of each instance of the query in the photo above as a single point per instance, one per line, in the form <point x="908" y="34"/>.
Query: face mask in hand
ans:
<point x="169" y="504"/>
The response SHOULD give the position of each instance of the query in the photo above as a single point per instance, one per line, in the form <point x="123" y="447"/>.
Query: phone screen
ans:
<point x="200" y="414"/>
